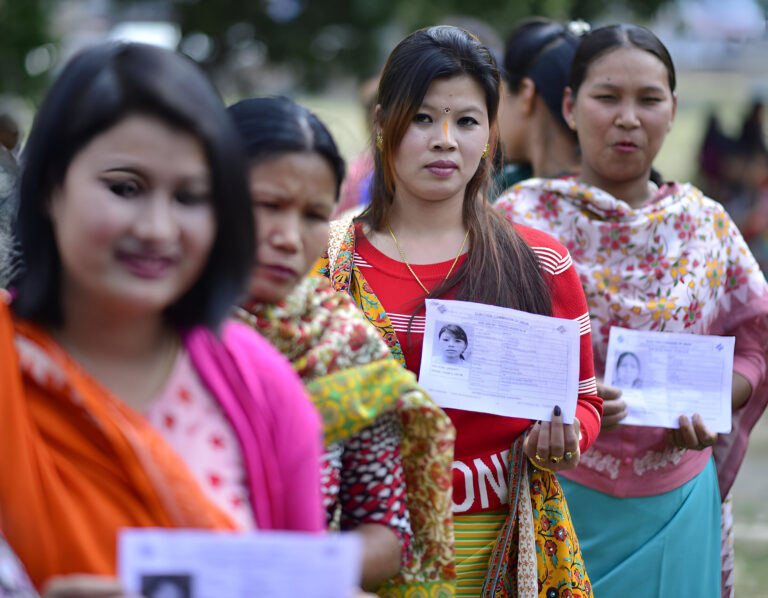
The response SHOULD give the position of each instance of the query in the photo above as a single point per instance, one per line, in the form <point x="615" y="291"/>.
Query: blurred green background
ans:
<point x="319" y="52"/>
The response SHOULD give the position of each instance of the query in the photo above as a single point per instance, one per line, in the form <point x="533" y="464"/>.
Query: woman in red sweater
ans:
<point x="430" y="233"/>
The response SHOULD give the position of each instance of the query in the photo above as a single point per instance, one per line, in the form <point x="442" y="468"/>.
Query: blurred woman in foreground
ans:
<point x="126" y="402"/>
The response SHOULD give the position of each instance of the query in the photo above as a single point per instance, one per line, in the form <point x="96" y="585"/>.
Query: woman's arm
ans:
<point x="373" y="498"/>
<point x="382" y="554"/>
<point x="749" y="359"/>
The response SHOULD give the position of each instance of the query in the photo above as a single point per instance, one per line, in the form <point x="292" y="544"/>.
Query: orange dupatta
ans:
<point x="77" y="464"/>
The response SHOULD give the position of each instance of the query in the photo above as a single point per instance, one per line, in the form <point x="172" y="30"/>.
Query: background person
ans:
<point x="535" y="139"/>
<point x="650" y="258"/>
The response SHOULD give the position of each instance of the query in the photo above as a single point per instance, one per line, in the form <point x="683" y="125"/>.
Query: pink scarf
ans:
<point x="281" y="441"/>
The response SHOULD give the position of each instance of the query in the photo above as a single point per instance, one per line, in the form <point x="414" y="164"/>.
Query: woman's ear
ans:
<point x="527" y="96"/>
<point x="674" y="111"/>
<point x="377" y="114"/>
<point x="569" y="102"/>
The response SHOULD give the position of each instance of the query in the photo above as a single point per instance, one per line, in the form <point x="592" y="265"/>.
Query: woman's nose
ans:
<point x="155" y="220"/>
<point x="627" y="116"/>
<point x="285" y="233"/>
<point x="445" y="137"/>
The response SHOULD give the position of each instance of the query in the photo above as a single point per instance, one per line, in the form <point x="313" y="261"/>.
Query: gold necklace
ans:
<point x="405" y="261"/>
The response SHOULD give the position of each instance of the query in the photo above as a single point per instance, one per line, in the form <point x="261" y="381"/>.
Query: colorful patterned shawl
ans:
<point x="78" y="464"/>
<point x="678" y="264"/>
<point x="352" y="379"/>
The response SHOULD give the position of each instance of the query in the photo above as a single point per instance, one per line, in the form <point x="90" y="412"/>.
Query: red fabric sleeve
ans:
<point x="568" y="301"/>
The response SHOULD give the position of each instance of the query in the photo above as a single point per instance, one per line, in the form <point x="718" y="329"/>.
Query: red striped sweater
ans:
<point x="483" y="440"/>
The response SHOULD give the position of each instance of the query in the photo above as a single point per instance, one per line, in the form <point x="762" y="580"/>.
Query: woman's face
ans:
<point x="293" y="197"/>
<point x="133" y="218"/>
<point x="623" y="111"/>
<point x="442" y="147"/>
<point x="628" y="370"/>
<point x="451" y="346"/>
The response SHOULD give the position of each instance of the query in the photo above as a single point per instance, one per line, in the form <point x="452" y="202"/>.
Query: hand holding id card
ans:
<point x="498" y="360"/>
<point x="663" y="375"/>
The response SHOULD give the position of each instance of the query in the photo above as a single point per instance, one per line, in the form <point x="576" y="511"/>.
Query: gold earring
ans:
<point x="486" y="150"/>
<point x="572" y="124"/>
<point x="379" y="141"/>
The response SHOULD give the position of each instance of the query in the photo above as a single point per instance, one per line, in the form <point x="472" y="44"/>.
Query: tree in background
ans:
<point x="322" y="38"/>
<point x="24" y="39"/>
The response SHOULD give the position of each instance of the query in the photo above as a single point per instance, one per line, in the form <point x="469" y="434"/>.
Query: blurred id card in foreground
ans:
<point x="663" y="375"/>
<point x="498" y="360"/>
<point x="205" y="564"/>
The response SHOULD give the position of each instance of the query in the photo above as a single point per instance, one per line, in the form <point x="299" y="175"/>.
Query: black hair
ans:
<point x="455" y="330"/>
<point x="601" y="41"/>
<point x="501" y="268"/>
<point x="96" y="90"/>
<point x="626" y="354"/>
<point x="270" y="127"/>
<point x="458" y="333"/>
<point x="542" y="50"/>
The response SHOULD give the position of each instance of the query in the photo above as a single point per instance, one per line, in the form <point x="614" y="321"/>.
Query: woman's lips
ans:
<point x="625" y="146"/>
<point x="146" y="265"/>
<point x="442" y="168"/>
<point x="278" y="273"/>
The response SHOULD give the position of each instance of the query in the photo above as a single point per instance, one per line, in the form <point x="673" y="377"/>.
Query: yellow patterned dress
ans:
<point x="355" y="384"/>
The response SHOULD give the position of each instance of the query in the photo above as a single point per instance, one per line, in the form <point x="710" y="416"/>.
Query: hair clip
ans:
<point x="579" y="27"/>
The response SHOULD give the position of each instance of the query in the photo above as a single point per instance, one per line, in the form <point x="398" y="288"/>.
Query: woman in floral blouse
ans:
<point x="646" y="501"/>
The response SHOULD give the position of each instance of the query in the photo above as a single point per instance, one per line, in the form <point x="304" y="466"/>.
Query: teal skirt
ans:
<point x="661" y="546"/>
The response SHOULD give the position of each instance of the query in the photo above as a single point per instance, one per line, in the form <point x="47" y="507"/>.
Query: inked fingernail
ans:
<point x="557" y="410"/>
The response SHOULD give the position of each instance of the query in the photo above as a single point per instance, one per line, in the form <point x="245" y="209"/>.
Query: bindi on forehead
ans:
<point x="447" y="110"/>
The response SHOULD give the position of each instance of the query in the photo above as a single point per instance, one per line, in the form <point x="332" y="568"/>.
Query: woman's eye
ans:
<point x="651" y="100"/>
<point x="422" y="118"/>
<point x="467" y="121"/>
<point x="124" y="188"/>
<point x="317" y="217"/>
<point x="266" y="205"/>
<point x="190" y="199"/>
<point x="605" y="98"/>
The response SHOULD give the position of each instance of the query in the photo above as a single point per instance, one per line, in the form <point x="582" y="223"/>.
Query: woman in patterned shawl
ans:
<point x="650" y="258"/>
<point x="386" y="472"/>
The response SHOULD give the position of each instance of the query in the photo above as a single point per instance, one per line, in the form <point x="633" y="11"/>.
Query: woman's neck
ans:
<point x="421" y="218"/>
<point x="94" y="331"/>
<point x="427" y="232"/>
<point x="130" y="356"/>
<point x="554" y="151"/>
